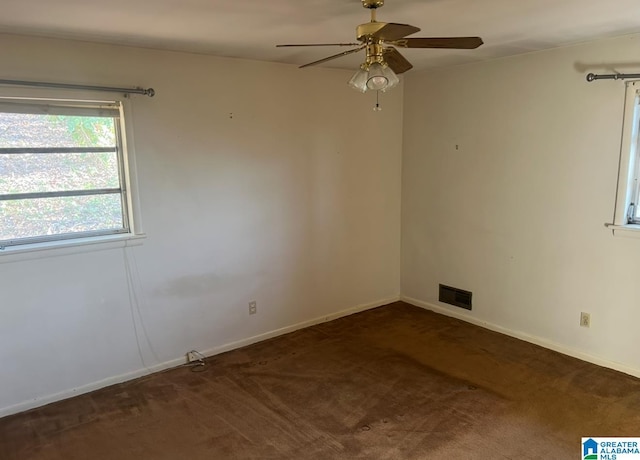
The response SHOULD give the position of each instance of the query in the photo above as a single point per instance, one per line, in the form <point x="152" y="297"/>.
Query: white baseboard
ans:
<point x="295" y="327"/>
<point x="41" y="401"/>
<point x="523" y="336"/>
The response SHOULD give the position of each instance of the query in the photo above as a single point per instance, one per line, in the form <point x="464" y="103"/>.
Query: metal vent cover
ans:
<point x="456" y="297"/>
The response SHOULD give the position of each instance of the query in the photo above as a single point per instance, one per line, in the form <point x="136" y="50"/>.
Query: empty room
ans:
<point x="333" y="229"/>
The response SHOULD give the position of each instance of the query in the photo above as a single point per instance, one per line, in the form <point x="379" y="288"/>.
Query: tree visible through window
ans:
<point x="61" y="171"/>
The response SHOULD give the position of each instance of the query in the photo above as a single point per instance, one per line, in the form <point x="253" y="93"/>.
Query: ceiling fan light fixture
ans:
<point x="391" y="77"/>
<point x="359" y="79"/>
<point x="375" y="77"/>
<point x="377" y="80"/>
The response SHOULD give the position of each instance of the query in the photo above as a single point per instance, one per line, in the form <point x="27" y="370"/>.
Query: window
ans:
<point x="62" y="171"/>
<point x="627" y="211"/>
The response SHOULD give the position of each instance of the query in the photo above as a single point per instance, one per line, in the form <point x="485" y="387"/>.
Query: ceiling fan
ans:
<point x="383" y="62"/>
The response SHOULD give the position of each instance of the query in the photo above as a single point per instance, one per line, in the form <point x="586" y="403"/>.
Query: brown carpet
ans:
<point x="397" y="382"/>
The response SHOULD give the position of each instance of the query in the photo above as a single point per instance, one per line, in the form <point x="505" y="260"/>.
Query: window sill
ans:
<point x="626" y="231"/>
<point x="69" y="247"/>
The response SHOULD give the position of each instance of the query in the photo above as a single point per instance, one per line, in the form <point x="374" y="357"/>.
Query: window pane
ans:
<point x="46" y="126"/>
<point x="53" y="216"/>
<point x="29" y="130"/>
<point x="52" y="172"/>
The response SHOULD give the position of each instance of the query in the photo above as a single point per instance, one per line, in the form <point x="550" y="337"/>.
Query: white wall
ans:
<point x="294" y="202"/>
<point x="517" y="214"/>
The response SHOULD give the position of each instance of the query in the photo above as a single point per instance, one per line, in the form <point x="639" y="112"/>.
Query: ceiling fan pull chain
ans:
<point x="377" y="108"/>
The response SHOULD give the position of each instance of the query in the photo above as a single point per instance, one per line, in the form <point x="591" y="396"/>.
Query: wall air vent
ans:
<point x="455" y="296"/>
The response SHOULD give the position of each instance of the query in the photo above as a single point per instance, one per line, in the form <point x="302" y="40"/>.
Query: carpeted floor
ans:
<point x="397" y="382"/>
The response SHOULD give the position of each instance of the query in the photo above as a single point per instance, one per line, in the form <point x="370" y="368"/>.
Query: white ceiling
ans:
<point x="251" y="28"/>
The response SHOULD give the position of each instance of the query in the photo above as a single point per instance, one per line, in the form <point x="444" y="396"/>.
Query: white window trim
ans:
<point x="136" y="235"/>
<point x="627" y="166"/>
<point x="68" y="247"/>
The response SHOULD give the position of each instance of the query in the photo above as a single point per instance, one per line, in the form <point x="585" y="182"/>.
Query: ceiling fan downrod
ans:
<point x="373" y="5"/>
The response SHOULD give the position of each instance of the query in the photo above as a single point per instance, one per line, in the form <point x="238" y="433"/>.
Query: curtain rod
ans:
<point x="613" y="76"/>
<point x="147" y="92"/>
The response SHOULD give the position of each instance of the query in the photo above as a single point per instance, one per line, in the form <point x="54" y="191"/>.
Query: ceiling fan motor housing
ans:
<point x="375" y="54"/>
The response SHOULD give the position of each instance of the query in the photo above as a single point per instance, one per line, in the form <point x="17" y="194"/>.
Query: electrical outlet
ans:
<point x="585" y="319"/>
<point x="192" y="356"/>
<point x="253" y="307"/>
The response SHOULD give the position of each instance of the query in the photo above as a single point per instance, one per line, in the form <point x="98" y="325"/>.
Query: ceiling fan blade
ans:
<point x="393" y="31"/>
<point x="464" y="43"/>
<point x="335" y="56"/>
<point x="320" y="44"/>
<point x="396" y="61"/>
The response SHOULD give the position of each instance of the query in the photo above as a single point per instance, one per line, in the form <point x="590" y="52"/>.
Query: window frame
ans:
<point x="132" y="229"/>
<point x="628" y="189"/>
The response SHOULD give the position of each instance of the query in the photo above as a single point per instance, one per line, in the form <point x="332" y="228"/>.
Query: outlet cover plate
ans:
<point x="585" y="319"/>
